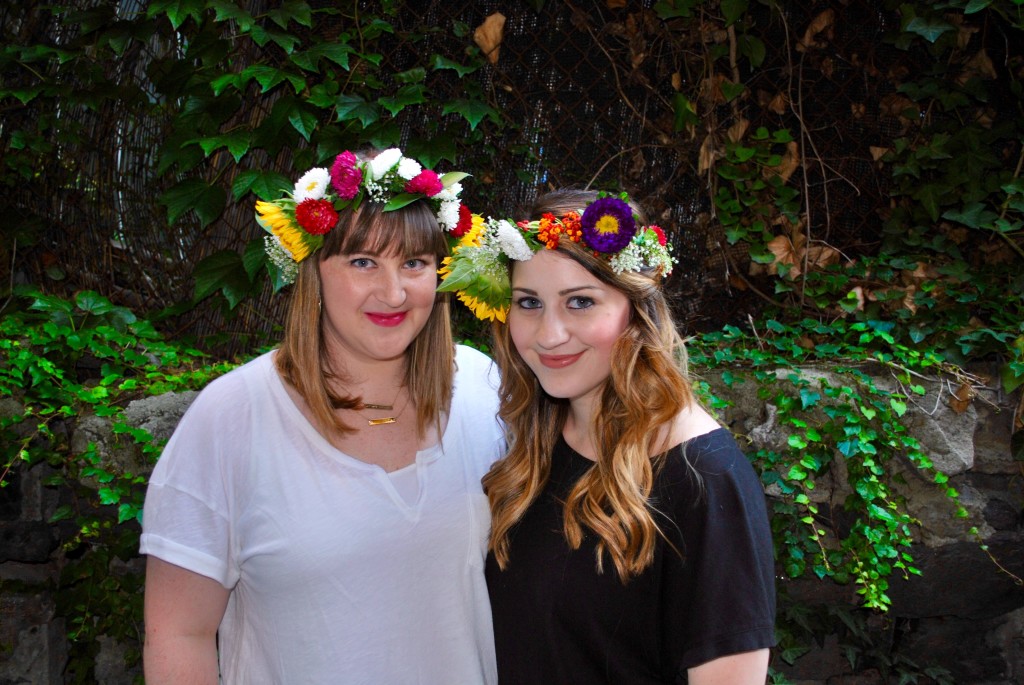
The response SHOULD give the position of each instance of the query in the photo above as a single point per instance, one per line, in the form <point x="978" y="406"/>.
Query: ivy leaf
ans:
<point x="254" y="257"/>
<point x="296" y="10"/>
<point x="973" y="215"/>
<point x="229" y="11"/>
<point x="237" y="142"/>
<point x="472" y="111"/>
<point x="303" y="121"/>
<point x="929" y="28"/>
<point x="441" y="62"/>
<point x="976" y="6"/>
<point x="685" y="114"/>
<point x="414" y="75"/>
<point x="733" y="10"/>
<point x="266" y="185"/>
<point x="222" y="271"/>
<point x="355" y="107"/>
<point x="196" y="194"/>
<point x="176" y="10"/>
<point x="731" y="90"/>
<point x="335" y="52"/>
<point x="268" y="77"/>
<point x="432" y="149"/>
<point x="413" y="94"/>
<point x="285" y="41"/>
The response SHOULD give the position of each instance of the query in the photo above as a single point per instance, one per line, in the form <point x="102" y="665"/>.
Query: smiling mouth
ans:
<point x="558" y="361"/>
<point x="386" y="320"/>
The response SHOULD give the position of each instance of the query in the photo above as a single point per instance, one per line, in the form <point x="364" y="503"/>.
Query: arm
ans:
<point x="183" y="610"/>
<point x="747" y="668"/>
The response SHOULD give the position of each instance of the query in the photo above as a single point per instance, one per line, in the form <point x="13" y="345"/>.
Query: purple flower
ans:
<point x="346" y="175"/>
<point x="608" y="225"/>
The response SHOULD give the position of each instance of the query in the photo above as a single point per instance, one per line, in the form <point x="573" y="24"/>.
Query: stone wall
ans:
<point x="964" y="614"/>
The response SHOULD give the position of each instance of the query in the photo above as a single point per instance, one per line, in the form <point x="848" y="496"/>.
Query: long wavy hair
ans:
<point x="648" y="387"/>
<point x="303" y="358"/>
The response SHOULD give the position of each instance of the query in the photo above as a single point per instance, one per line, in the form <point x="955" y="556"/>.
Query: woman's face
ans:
<point x="374" y="305"/>
<point x="564" y="323"/>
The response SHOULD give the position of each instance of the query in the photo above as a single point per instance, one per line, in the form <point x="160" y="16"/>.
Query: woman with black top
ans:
<point x="629" y="539"/>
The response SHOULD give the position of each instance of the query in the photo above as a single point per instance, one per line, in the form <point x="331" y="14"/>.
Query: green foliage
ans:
<point x="61" y="361"/>
<point x="852" y="421"/>
<point x="210" y="60"/>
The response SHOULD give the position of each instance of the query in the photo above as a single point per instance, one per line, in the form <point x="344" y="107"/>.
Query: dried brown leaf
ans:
<point x="785" y="253"/>
<point x="779" y="104"/>
<point x="489" y="35"/>
<point x="706" y="156"/>
<point x="822" y="255"/>
<point x="616" y="4"/>
<point x="790" y="162"/>
<point x="821" y="23"/>
<point x="737" y="131"/>
<point x="979" y="66"/>
<point x="878" y="152"/>
<point x="677" y="80"/>
<point x="961" y="399"/>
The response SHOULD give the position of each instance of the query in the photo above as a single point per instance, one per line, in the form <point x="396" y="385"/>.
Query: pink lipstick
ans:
<point x="387" y="320"/>
<point x="558" y="361"/>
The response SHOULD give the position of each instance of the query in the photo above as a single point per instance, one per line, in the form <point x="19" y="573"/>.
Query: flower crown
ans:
<point x="298" y="222"/>
<point x="478" y="268"/>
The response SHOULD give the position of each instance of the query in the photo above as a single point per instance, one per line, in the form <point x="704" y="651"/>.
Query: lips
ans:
<point x="558" y="361"/>
<point x="386" y="320"/>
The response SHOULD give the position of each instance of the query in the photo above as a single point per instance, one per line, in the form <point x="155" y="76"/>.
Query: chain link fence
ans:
<point x="586" y="89"/>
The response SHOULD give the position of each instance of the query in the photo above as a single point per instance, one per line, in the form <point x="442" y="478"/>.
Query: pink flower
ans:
<point x="426" y="183"/>
<point x="316" y="216"/>
<point x="346" y="175"/>
<point x="660" y="233"/>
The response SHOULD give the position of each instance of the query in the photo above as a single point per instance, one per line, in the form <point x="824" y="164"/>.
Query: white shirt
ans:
<point x="335" y="577"/>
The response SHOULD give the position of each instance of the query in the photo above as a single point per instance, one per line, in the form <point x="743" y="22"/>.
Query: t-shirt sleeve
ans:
<point x="187" y="515"/>
<point x="721" y="598"/>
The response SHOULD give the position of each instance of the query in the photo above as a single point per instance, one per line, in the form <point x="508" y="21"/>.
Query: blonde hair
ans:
<point x="302" y="358"/>
<point x="647" y="389"/>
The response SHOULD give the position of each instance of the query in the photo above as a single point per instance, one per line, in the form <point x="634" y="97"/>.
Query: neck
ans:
<point x="579" y="424"/>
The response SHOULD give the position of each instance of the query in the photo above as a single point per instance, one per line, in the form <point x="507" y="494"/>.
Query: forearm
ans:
<point x="747" y="668"/>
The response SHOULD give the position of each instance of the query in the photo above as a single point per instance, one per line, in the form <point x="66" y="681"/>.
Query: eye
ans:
<point x="528" y="302"/>
<point x="580" y="302"/>
<point x="361" y="262"/>
<point x="418" y="263"/>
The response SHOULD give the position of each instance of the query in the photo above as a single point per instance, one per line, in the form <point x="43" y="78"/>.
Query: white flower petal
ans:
<point x="382" y="163"/>
<point x="409" y="168"/>
<point x="312" y="185"/>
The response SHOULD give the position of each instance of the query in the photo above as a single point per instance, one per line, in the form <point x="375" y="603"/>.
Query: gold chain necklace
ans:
<point x="384" y="420"/>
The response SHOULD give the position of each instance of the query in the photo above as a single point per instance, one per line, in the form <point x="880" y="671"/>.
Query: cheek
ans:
<point x="518" y="331"/>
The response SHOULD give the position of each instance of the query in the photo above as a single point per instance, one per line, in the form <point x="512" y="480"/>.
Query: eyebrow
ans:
<point x="560" y="292"/>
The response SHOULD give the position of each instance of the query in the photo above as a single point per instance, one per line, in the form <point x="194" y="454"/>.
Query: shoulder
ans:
<point x="235" y="390"/>
<point x="469" y="358"/>
<point x="711" y="464"/>
<point x="474" y="369"/>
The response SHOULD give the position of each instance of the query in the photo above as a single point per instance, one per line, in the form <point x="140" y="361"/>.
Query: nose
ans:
<point x="391" y="288"/>
<point x="552" y="331"/>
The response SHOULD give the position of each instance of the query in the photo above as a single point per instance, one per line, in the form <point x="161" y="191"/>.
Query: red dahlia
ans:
<point x="316" y="216"/>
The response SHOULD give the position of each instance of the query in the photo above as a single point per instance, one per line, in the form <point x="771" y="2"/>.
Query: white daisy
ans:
<point x="312" y="185"/>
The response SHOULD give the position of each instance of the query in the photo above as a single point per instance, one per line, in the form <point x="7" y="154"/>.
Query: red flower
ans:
<point x="660" y="233"/>
<point x="316" y="216"/>
<point x="346" y="175"/>
<point x="465" y="222"/>
<point x="426" y="183"/>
